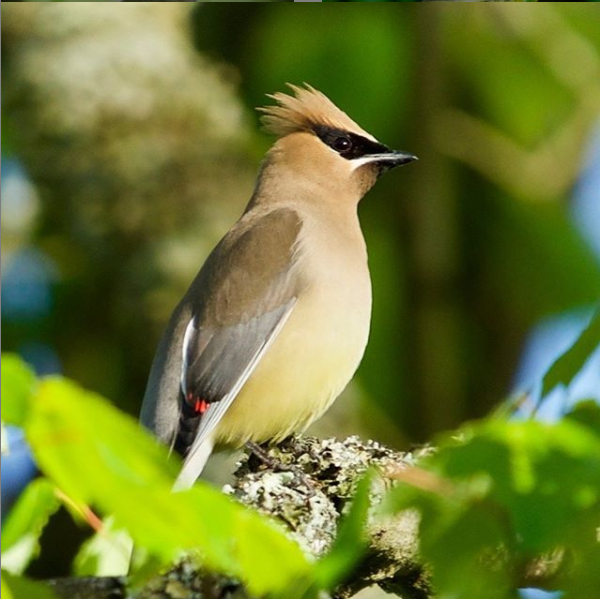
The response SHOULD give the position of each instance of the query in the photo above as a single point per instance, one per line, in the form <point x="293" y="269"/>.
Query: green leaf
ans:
<point x="99" y="456"/>
<point x="349" y="544"/>
<point x="22" y="529"/>
<point x="16" y="587"/>
<point x="105" y="553"/>
<point x="526" y="486"/>
<point x="587" y="414"/>
<point x="567" y="366"/>
<point x="5" y="591"/>
<point x="18" y="383"/>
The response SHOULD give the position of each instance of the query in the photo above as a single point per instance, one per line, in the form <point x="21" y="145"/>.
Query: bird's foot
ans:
<point x="277" y="466"/>
<point x="263" y="456"/>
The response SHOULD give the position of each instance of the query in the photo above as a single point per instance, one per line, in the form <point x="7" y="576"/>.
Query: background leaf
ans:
<point x="566" y="367"/>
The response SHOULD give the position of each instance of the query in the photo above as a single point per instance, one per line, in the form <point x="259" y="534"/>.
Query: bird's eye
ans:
<point x="341" y="144"/>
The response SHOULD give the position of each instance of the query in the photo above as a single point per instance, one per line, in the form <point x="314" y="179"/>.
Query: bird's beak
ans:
<point x="392" y="159"/>
<point x="385" y="160"/>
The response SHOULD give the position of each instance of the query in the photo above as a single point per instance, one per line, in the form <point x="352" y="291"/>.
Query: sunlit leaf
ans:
<point x="526" y="486"/>
<point x="23" y="526"/>
<point x="23" y="588"/>
<point x="5" y="593"/>
<point x="103" y="554"/>
<point x="99" y="456"/>
<point x="18" y="382"/>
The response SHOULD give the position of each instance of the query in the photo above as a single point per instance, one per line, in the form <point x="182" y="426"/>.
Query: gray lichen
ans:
<point x="308" y="484"/>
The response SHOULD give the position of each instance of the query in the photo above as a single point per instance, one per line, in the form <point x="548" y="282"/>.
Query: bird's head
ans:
<point x="319" y="145"/>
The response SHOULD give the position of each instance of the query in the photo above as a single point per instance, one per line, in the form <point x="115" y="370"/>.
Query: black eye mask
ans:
<point x="348" y="145"/>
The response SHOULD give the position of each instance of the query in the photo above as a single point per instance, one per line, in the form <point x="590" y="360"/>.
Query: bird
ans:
<point x="276" y="322"/>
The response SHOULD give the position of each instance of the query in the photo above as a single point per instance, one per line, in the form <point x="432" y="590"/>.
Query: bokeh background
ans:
<point x="130" y="145"/>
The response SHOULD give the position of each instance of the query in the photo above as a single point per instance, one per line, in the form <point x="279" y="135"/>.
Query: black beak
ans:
<point x="393" y="159"/>
<point x="400" y="158"/>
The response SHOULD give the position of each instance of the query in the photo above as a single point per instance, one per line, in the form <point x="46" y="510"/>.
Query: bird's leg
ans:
<point x="263" y="456"/>
<point x="275" y="465"/>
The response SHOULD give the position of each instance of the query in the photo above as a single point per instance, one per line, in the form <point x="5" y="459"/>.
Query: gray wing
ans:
<point x="213" y="360"/>
<point x="239" y="303"/>
<point x="201" y="446"/>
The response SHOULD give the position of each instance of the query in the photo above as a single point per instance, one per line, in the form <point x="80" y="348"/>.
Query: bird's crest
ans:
<point x="303" y="111"/>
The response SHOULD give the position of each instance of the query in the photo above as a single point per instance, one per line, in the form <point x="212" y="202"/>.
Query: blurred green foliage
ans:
<point x="16" y="587"/>
<point x="22" y="531"/>
<point x="18" y="382"/>
<point x="522" y="489"/>
<point x="99" y="457"/>
<point x="92" y="455"/>
<point x="496" y="493"/>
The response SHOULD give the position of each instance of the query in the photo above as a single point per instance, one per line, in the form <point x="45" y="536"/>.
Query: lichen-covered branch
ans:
<point x="312" y="484"/>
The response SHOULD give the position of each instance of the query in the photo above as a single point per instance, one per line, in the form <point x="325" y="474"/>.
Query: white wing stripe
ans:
<point x="189" y="331"/>
<point x="196" y="457"/>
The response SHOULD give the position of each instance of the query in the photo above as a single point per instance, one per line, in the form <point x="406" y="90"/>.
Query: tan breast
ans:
<point x="319" y="348"/>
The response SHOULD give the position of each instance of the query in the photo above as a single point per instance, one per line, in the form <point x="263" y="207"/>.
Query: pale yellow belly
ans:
<point x="307" y="367"/>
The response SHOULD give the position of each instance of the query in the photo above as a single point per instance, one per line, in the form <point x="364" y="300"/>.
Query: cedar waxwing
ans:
<point x="276" y="322"/>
